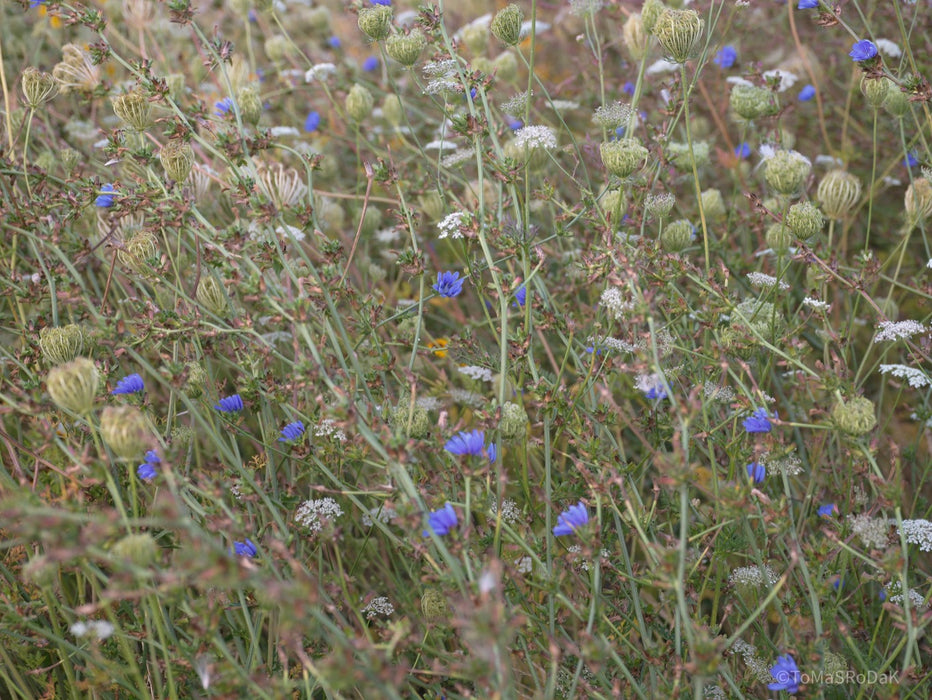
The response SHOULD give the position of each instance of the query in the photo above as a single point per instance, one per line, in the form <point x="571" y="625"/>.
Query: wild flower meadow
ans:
<point x="384" y="349"/>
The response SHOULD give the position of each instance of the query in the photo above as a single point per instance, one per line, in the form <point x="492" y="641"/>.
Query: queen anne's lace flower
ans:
<point x="894" y="330"/>
<point x="873" y="532"/>
<point x="752" y="576"/>
<point x="536" y="137"/>
<point x="314" y="513"/>
<point x="916" y="377"/>
<point x="918" y="532"/>
<point x="450" y="226"/>
<point x="378" y="607"/>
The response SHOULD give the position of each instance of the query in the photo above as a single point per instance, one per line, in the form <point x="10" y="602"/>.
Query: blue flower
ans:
<point x="370" y="64"/>
<point x="757" y="471"/>
<point x="36" y="3"/>
<point x="245" y="549"/>
<point x="571" y="519"/>
<point x="863" y="50"/>
<point x="514" y="124"/>
<point x="105" y="198"/>
<point x="292" y="431"/>
<point x="807" y="4"/>
<point x="230" y="404"/>
<point x="786" y="674"/>
<point x="334" y="42"/>
<point x="449" y="284"/>
<point x="130" y="384"/>
<point x="910" y="161"/>
<point x="828" y="510"/>
<point x="148" y="469"/>
<point x="656" y="393"/>
<point x="758" y="422"/>
<point x="492" y="451"/>
<point x="466" y="443"/>
<point x="726" y="57"/>
<point x="312" y="121"/>
<point x="628" y="88"/>
<point x="382" y="2"/>
<point x="743" y="150"/>
<point x="520" y="295"/>
<point x="807" y="93"/>
<point x="440" y="522"/>
<point x="838" y="583"/>
<point x="223" y="107"/>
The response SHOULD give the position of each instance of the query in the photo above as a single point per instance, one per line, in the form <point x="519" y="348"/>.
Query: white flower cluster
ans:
<point x="328" y="428"/>
<point x="894" y="330"/>
<point x="429" y="403"/>
<point x="450" y="226"/>
<point x="320" y="71"/>
<point x="760" y="279"/>
<point x="483" y="374"/>
<point x="467" y="398"/>
<point x="612" y="116"/>
<point x="510" y="512"/>
<point x="816" y="304"/>
<point x="758" y="666"/>
<point x="872" y="531"/>
<point x="524" y="565"/>
<point x="716" y="392"/>
<point x="516" y="104"/>
<point x="536" y="136"/>
<point x="752" y="576"/>
<point x="789" y="464"/>
<point x="615" y="303"/>
<point x="609" y="343"/>
<point x="918" y="532"/>
<point x="585" y="564"/>
<point x="888" y="47"/>
<point x="384" y="514"/>
<point x="101" y="629"/>
<point x="376" y="607"/>
<point x="312" y="514"/>
<point x="916" y="377"/>
<point x="894" y="592"/>
<point x="714" y="692"/>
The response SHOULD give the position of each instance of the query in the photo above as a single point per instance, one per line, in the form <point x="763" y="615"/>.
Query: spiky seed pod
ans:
<point x="896" y="102"/>
<point x="752" y="102"/>
<point x="392" y="110"/>
<point x="875" y="90"/>
<point x="211" y="295"/>
<point x="678" y="32"/>
<point x="804" y="219"/>
<point x="76" y="70"/>
<point x="69" y="160"/>
<point x="506" y="25"/>
<point x="61" y="345"/>
<point x="786" y="172"/>
<point x="624" y="157"/>
<point x="713" y="204"/>
<point x="38" y="87"/>
<point x="434" y="606"/>
<point x="411" y="423"/>
<point x="139" y="549"/>
<point x="918" y="201"/>
<point x="250" y="104"/>
<point x="177" y="158"/>
<point x="650" y="13"/>
<point x="137" y="250"/>
<point x="376" y="21"/>
<point x="73" y="385"/>
<point x="676" y="236"/>
<point x="406" y="48"/>
<point x="855" y="417"/>
<point x="838" y="192"/>
<point x="659" y="206"/>
<point x="133" y="109"/>
<point x="779" y="238"/>
<point x="514" y="421"/>
<point x="359" y="102"/>
<point x="635" y="36"/>
<point x="125" y="431"/>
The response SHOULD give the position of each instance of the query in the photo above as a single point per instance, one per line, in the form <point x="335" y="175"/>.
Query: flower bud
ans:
<point x="786" y="172"/>
<point x="138" y="250"/>
<point x="855" y="417"/>
<point x="875" y="90"/>
<point x="752" y="102"/>
<point x="45" y="161"/>
<point x="678" y="31"/>
<point x="125" y="430"/>
<point x="614" y="205"/>
<point x="73" y="385"/>
<point x="393" y="110"/>
<point x="69" y="160"/>
<point x="140" y="549"/>
<point x="250" y="104"/>
<point x="61" y="345"/>
<point x="514" y="421"/>
<point x="635" y="37"/>
<point x="713" y="205"/>
<point x="196" y="380"/>
<point x="779" y="238"/>
<point x="38" y="87"/>
<point x="434" y="605"/>
<point x="918" y="201"/>
<point x="359" y="101"/>
<point x="406" y="48"/>
<point x="505" y="66"/>
<point x="212" y="296"/>
<point x="624" y="157"/>
<point x="838" y="192"/>
<point x="659" y="206"/>
<point x="133" y="109"/>
<point x="177" y="157"/>
<point x="506" y="25"/>
<point x="476" y="38"/>
<point x="804" y="219"/>
<point x="411" y="422"/>
<point x="896" y="102"/>
<point x="676" y="236"/>
<point x="683" y="156"/>
<point x="650" y="13"/>
<point x="376" y="21"/>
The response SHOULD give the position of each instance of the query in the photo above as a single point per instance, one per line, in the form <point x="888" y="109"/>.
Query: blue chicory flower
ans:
<point x="245" y="549"/>
<point x="863" y="50"/>
<point x="312" y="122"/>
<point x="105" y="198"/>
<point x="292" y="431"/>
<point x="726" y="57"/>
<point x="807" y="4"/>
<point x="449" y="284"/>
<point x="370" y="64"/>
<point x="382" y="2"/>
<point x="514" y="124"/>
<point x="149" y="468"/>
<point x="334" y="42"/>
<point x="910" y="161"/>
<point x="807" y="93"/>
<point x="520" y="296"/>
<point x="230" y="404"/>
<point x="743" y="150"/>
<point x="466" y="443"/>
<point x="130" y="384"/>
<point x="223" y="107"/>
<point x="442" y="521"/>
<point x="571" y="519"/>
<point x="757" y="471"/>
<point x="758" y="422"/>
<point x="828" y="510"/>
<point x="628" y="88"/>
<point x="492" y="451"/>
<point x="786" y="674"/>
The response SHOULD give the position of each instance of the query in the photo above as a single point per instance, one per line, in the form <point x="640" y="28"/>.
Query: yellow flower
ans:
<point x="439" y="346"/>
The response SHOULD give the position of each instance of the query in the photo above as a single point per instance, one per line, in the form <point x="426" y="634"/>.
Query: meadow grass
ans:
<point x="384" y="350"/>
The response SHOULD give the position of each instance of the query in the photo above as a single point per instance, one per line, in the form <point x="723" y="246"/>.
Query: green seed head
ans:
<point x="38" y="87"/>
<point x="918" y="201"/>
<point x="250" y="104"/>
<point x="678" y="32"/>
<point x="177" y="157"/>
<point x="141" y="550"/>
<point x="805" y="220"/>
<point x="875" y="90"/>
<point x="635" y="37"/>
<point x="713" y="204"/>
<point x="434" y="605"/>
<point x="624" y="157"/>
<point x="133" y="109"/>
<point x="838" y="192"/>
<point x="125" y="431"/>
<point x="506" y="25"/>
<point x="676" y="236"/>
<point x="211" y="295"/>
<point x="505" y="66"/>
<point x="406" y="48"/>
<point x="359" y="101"/>
<point x="896" y="102"/>
<point x="392" y="110"/>
<point x="61" y="345"/>
<point x="659" y="206"/>
<point x="650" y="13"/>
<point x="752" y="102"/>
<point x="73" y="385"/>
<point x="514" y="421"/>
<point x="376" y="21"/>
<point x="855" y="417"/>
<point x="779" y="238"/>
<point x="786" y="172"/>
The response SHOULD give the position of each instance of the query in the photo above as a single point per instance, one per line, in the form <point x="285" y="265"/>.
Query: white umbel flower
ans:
<point x="536" y="136"/>
<point x="873" y="532"/>
<point x="314" y="513"/>
<point x="450" y="226"/>
<point x="752" y="576"/>
<point x="916" y="377"/>
<point x="894" y="330"/>
<point x="378" y="607"/>
<point x="918" y="532"/>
